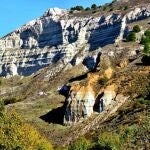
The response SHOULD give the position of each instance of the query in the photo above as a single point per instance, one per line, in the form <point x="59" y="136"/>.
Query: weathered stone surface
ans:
<point x="57" y="36"/>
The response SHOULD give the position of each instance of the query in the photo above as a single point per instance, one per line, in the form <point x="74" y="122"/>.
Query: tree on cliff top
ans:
<point x="79" y="8"/>
<point x="94" y="6"/>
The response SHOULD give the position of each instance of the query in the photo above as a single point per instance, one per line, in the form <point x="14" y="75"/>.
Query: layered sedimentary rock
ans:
<point x="99" y="90"/>
<point x="80" y="101"/>
<point x="57" y="36"/>
<point x="83" y="101"/>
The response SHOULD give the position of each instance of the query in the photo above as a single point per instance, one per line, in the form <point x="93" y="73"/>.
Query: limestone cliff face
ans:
<point x="58" y="36"/>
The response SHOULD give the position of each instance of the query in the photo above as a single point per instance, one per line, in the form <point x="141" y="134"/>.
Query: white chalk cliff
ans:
<point x="57" y="36"/>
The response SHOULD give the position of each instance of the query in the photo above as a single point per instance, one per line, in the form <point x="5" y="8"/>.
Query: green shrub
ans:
<point x="104" y="8"/>
<point x="147" y="33"/>
<point x="80" y="144"/>
<point x="147" y="49"/>
<point x="127" y="133"/>
<point x="145" y="40"/>
<point x="136" y="29"/>
<point x="87" y="9"/>
<point x="114" y="1"/>
<point x="109" y="141"/>
<point x="71" y="11"/>
<point x="143" y="101"/>
<point x="10" y="100"/>
<point x="126" y="7"/>
<point x="138" y="104"/>
<point x="94" y="7"/>
<point x="131" y="37"/>
<point x="79" y="8"/>
<point x="17" y="135"/>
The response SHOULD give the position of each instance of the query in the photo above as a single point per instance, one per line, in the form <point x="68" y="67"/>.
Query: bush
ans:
<point x="87" y="9"/>
<point x="131" y="37"/>
<point x="15" y="134"/>
<point x="145" y="40"/>
<point x="126" y="7"/>
<point x="79" y="8"/>
<point x="114" y="1"/>
<point x="71" y="11"/>
<point x="147" y="33"/>
<point x="80" y="144"/>
<point x="143" y="101"/>
<point x="10" y="100"/>
<point x="136" y="29"/>
<point x="127" y="133"/>
<point x="94" y="6"/>
<point x="104" y="8"/>
<point x="147" y="49"/>
<point x="109" y="141"/>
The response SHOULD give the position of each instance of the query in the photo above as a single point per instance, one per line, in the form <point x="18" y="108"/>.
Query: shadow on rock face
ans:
<point x="98" y="104"/>
<point x="146" y="60"/>
<point x="104" y="35"/>
<point x="78" y="78"/>
<point x="89" y="62"/>
<point x="55" y="116"/>
<point x="64" y="90"/>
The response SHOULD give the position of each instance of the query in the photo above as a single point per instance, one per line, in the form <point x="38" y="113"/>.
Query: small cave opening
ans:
<point x="99" y="104"/>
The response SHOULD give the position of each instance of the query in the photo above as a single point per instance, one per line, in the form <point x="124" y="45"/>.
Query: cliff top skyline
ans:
<point x="15" y="13"/>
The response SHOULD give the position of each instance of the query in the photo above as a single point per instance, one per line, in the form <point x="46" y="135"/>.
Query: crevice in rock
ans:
<point x="79" y="78"/>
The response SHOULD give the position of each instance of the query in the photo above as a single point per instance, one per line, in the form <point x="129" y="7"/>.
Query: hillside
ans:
<point x="82" y="76"/>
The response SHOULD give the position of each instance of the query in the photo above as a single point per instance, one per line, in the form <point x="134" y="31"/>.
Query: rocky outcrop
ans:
<point x="101" y="89"/>
<point x="82" y="101"/>
<point x="57" y="36"/>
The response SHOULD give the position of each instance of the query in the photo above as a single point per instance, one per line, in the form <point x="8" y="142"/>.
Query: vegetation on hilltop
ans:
<point x="98" y="8"/>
